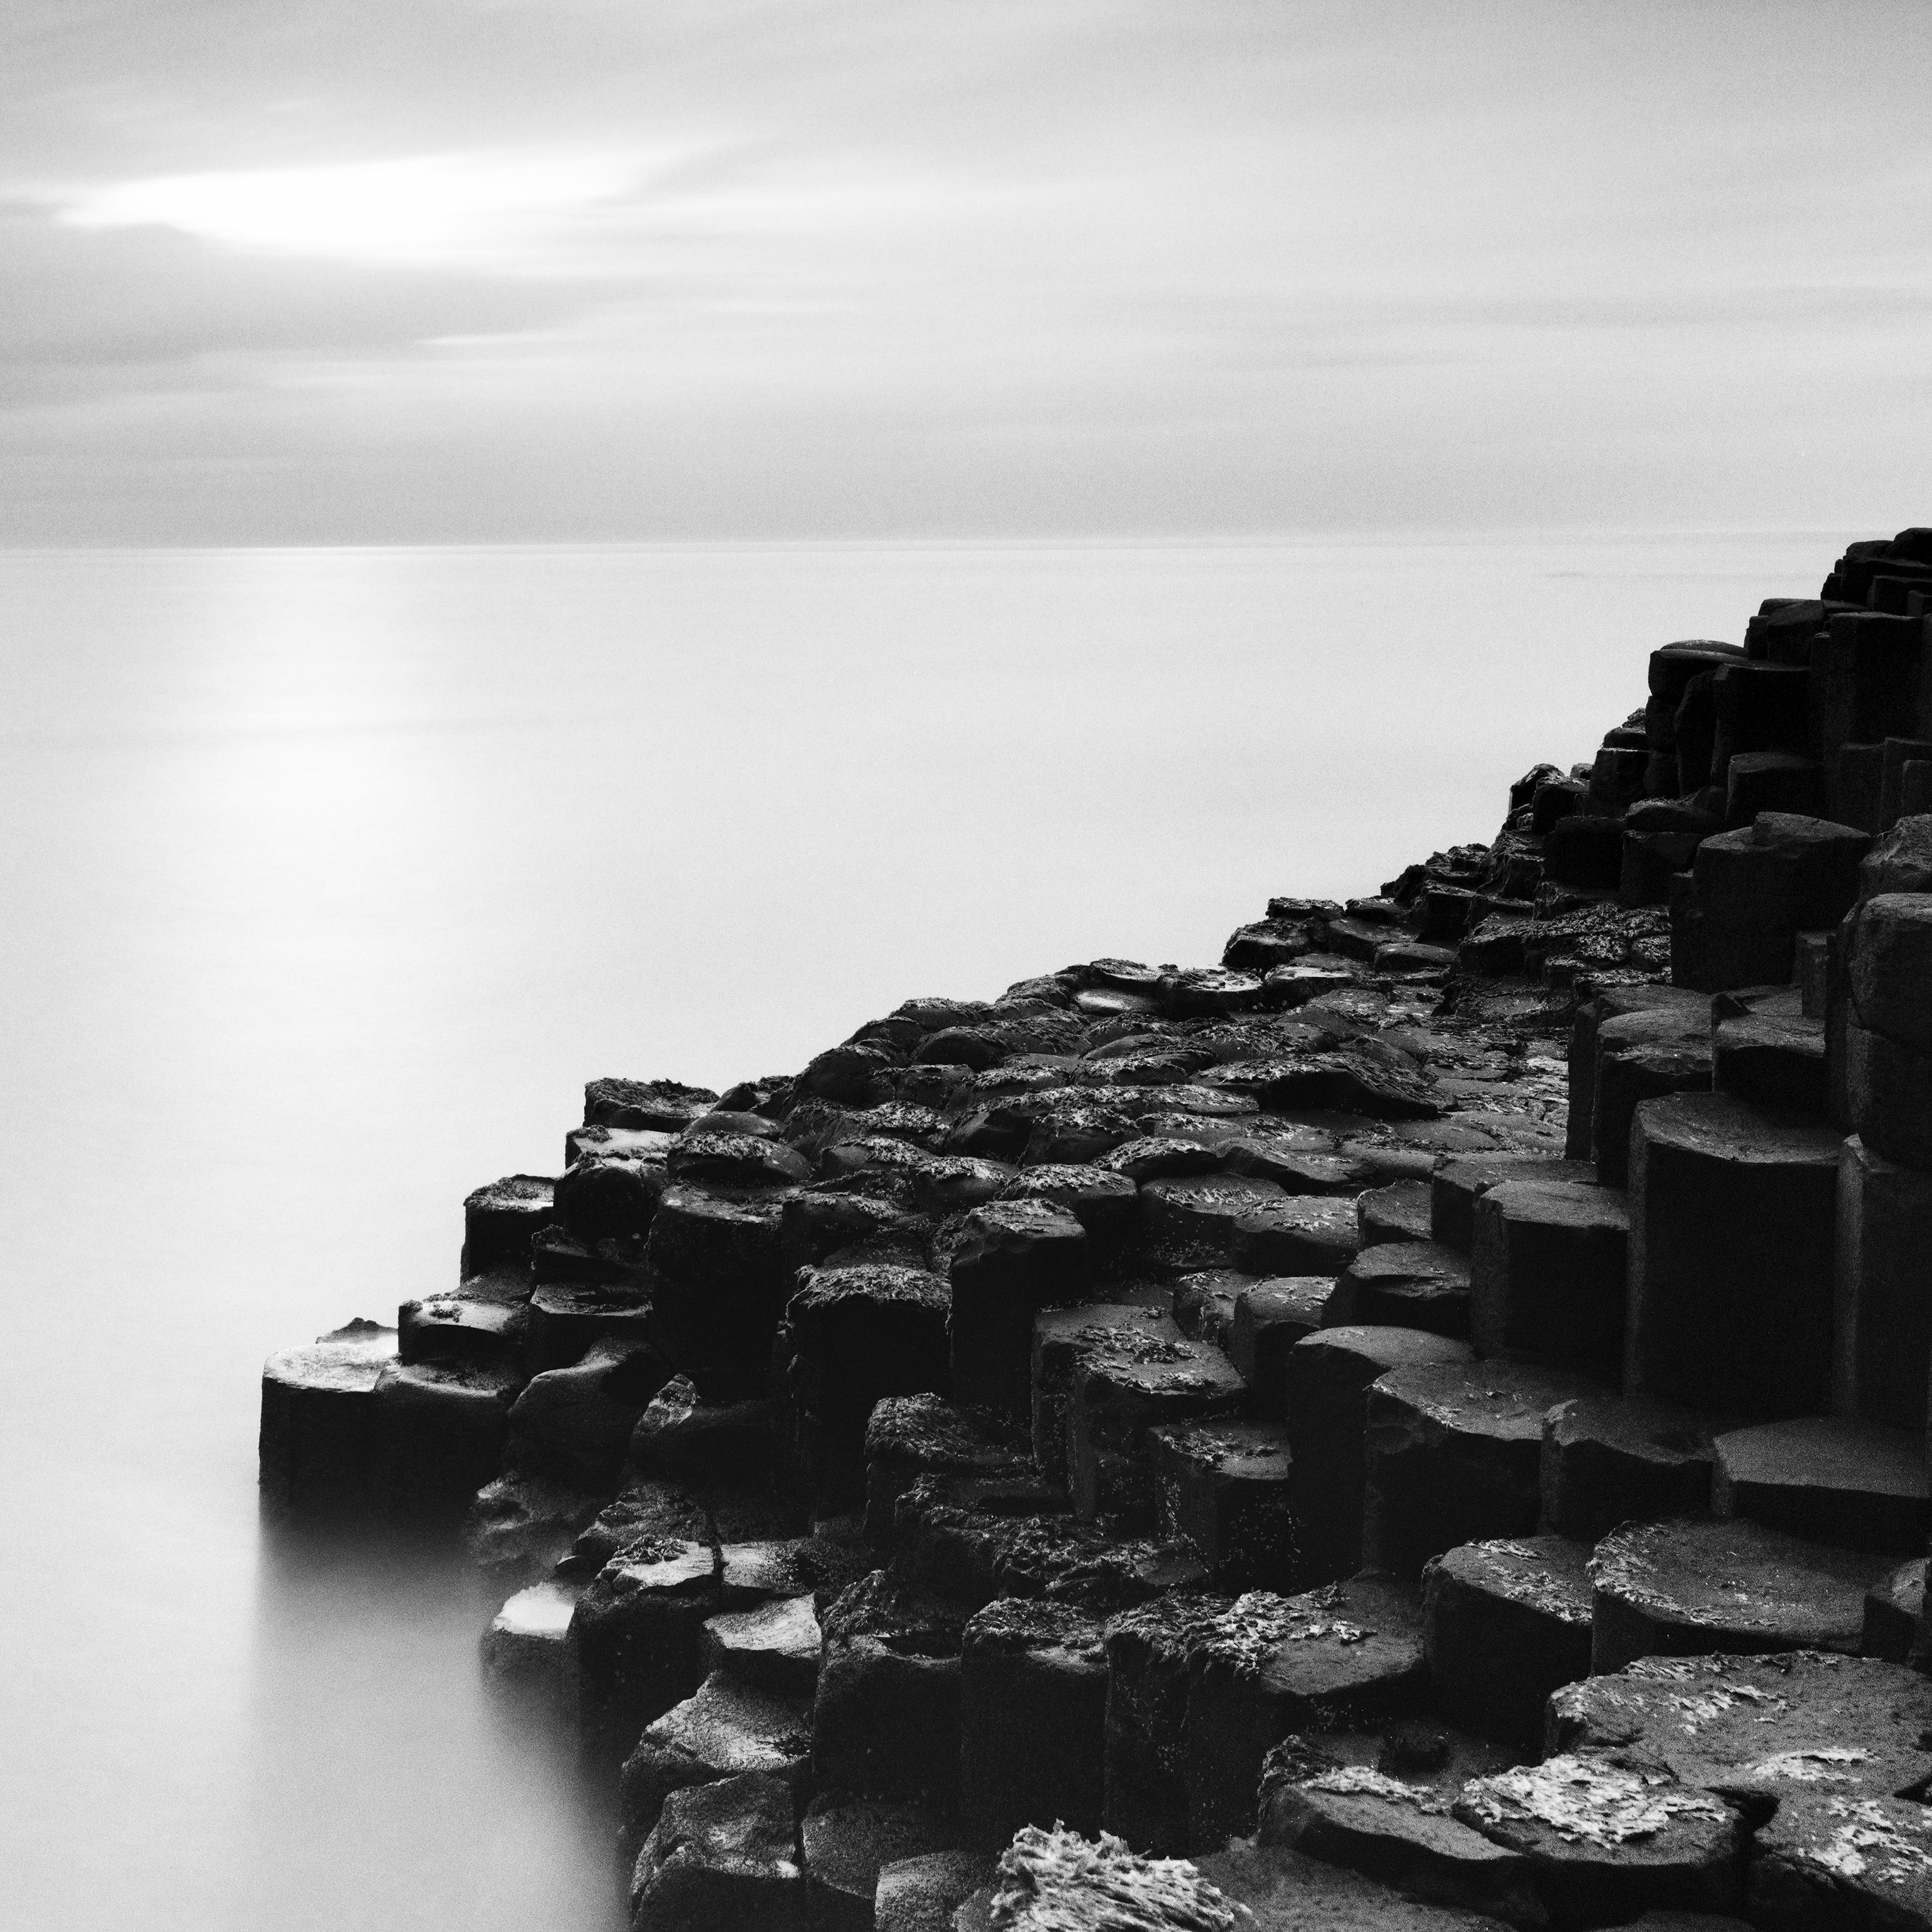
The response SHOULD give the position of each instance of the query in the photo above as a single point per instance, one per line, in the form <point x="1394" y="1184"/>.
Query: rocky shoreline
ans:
<point x="1421" y="1423"/>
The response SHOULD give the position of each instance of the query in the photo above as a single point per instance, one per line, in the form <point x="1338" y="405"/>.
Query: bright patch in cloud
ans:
<point x="475" y="208"/>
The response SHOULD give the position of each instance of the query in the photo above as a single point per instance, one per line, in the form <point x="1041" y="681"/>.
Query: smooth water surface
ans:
<point x="328" y="878"/>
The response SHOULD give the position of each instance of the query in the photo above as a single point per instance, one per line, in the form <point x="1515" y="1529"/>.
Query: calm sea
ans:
<point x="327" y="877"/>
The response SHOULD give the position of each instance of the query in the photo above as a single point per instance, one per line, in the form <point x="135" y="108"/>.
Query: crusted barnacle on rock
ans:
<point x="1869" y="1841"/>
<point x="1058" y="1881"/>
<point x="1587" y="1801"/>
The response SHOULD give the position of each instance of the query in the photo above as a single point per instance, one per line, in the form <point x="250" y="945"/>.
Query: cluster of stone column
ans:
<point x="1421" y="1423"/>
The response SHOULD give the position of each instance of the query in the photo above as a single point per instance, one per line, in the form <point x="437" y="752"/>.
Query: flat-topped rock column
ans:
<point x="1882" y="1308"/>
<point x="1731" y="1211"/>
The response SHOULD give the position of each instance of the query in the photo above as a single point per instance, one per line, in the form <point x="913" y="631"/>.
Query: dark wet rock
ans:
<point x="319" y="1446"/>
<point x="1150" y="1158"/>
<point x="1508" y="1622"/>
<point x="1605" y="1840"/>
<point x="1201" y="990"/>
<point x="1882" y="1320"/>
<point x="1771" y="1060"/>
<point x="1404" y="1285"/>
<point x="1398" y="1211"/>
<point x="1295" y="1170"/>
<point x="1305" y="1236"/>
<point x="1642" y="1056"/>
<point x="522" y="1525"/>
<point x="886" y="1718"/>
<point x="1608" y="1459"/>
<point x="1349" y="1653"/>
<point x="1548" y="1271"/>
<point x="1198" y="1217"/>
<point x="642" y="1512"/>
<point x="1860" y="1484"/>
<point x="1455" y="1187"/>
<point x="1223" y="1486"/>
<point x="1105" y="1003"/>
<point x="1829" y="1863"/>
<point x="1032" y="1712"/>
<point x="610" y="1198"/>
<point x="1203" y="1301"/>
<point x="1271" y="1317"/>
<point x="499" y="1220"/>
<point x="711" y="1158"/>
<point x="720" y="1280"/>
<point x="1888" y="960"/>
<point x="1061" y="1336"/>
<point x="847" y="1074"/>
<point x="681" y="1436"/>
<point x="1286" y="1890"/>
<point x="828" y="1215"/>
<point x="667" y="1104"/>
<point x="724" y="1728"/>
<point x="1452" y="1453"/>
<point x="911" y="1436"/>
<point x="976" y="1048"/>
<point x="1012" y="1259"/>
<point x="1732" y="1214"/>
<point x="1888" y="1095"/>
<point x="1352" y="1080"/>
<point x="971" y="1539"/>
<point x="1123" y="1387"/>
<point x="1758" y="1731"/>
<point x="772" y="1646"/>
<point x="524" y="1647"/>
<point x="1079" y="1128"/>
<point x="1399" y="1833"/>
<point x="484" y="1322"/>
<point x="860" y="1334"/>
<point x="1267" y="944"/>
<point x="723" y="1858"/>
<point x="1685" y="1588"/>
<point x="559" y="1258"/>
<point x="1894" y="1610"/>
<point x="575" y="1423"/>
<point x="1327" y="1381"/>
<point x="634" y="1643"/>
<point x="1104" y="1203"/>
<point x="625" y="1143"/>
<point x="848" y="1840"/>
<point x="921" y="1894"/>
<point x="440" y="1431"/>
<point x="566" y="1320"/>
<point x="1145" y="1771"/>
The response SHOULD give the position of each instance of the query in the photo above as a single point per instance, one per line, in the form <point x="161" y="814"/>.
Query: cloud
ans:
<point x="572" y="266"/>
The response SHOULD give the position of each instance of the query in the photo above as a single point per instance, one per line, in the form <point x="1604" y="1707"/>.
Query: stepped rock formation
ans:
<point x="1419" y="1423"/>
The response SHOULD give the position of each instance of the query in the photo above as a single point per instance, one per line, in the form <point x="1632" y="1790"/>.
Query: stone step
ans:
<point x="1421" y="1285"/>
<point x="1507" y="1622"/>
<point x="1271" y="1317"/>
<point x="1326" y="1393"/>
<point x="1033" y="1706"/>
<point x="1225" y="1487"/>
<point x="1609" y="1458"/>
<point x="1731" y="1219"/>
<point x="1861" y="1485"/>
<point x="1452" y="1453"/>
<point x="1696" y="1585"/>
<point x="1881" y="1317"/>
<point x="724" y="1728"/>
<point x="1548" y="1273"/>
<point x="846" y="1842"/>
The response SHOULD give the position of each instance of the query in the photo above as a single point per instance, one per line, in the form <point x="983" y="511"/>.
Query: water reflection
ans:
<point x="447" y="1801"/>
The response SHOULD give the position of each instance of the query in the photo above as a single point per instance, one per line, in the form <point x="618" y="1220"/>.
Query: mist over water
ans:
<point x="328" y="877"/>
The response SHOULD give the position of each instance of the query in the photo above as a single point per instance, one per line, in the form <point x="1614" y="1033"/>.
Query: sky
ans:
<point x="282" y="271"/>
